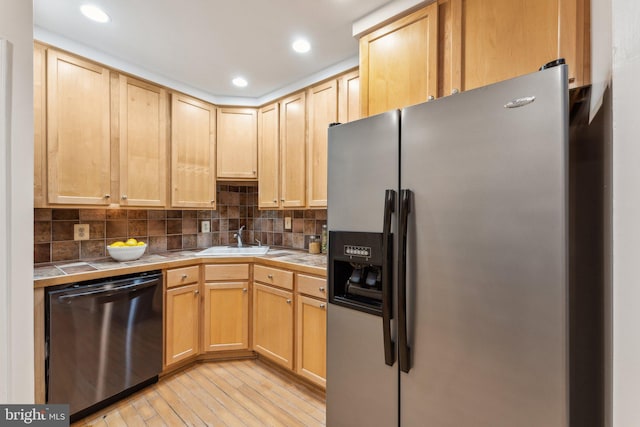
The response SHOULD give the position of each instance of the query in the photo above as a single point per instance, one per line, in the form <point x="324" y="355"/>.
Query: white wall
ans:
<point x="16" y="205"/>
<point x="626" y="213"/>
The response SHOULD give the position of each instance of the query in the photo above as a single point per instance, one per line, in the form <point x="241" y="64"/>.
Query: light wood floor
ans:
<point x="234" y="393"/>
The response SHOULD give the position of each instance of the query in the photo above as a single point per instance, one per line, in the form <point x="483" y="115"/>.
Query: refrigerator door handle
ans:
<point x="387" y="287"/>
<point x="403" y="345"/>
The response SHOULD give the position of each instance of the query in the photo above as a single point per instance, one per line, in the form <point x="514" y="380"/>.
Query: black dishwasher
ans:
<point x="104" y="340"/>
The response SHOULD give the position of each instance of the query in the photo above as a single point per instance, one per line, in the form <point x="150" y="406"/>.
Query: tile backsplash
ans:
<point x="166" y="230"/>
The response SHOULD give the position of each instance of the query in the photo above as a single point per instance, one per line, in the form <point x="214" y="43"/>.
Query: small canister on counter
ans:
<point x="314" y="245"/>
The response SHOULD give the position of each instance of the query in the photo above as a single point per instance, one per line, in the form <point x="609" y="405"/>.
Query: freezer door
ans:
<point x="363" y="163"/>
<point x="487" y="277"/>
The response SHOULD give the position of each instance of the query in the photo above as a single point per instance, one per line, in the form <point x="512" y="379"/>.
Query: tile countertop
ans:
<point x="68" y="272"/>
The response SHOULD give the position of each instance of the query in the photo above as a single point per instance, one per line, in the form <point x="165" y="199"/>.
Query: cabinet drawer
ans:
<point x="312" y="286"/>
<point x="226" y="272"/>
<point x="273" y="276"/>
<point x="182" y="276"/>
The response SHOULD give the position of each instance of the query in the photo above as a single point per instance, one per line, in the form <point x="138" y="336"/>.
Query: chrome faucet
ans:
<point x="238" y="236"/>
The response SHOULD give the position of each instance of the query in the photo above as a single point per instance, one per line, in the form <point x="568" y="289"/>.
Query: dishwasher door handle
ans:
<point x="113" y="291"/>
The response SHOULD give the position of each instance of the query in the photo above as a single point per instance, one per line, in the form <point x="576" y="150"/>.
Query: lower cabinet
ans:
<point x="226" y="307"/>
<point x="273" y="314"/>
<point x="311" y="339"/>
<point x="311" y="328"/>
<point x="282" y="311"/>
<point x="182" y="322"/>
<point x="273" y="324"/>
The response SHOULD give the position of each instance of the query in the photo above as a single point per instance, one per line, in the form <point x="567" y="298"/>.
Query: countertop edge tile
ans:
<point x="297" y="260"/>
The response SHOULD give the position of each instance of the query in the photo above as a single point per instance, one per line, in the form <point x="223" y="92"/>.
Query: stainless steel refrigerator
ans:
<point x="450" y="262"/>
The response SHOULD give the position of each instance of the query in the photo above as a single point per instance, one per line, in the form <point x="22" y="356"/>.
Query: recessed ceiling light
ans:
<point x="240" y="82"/>
<point x="301" y="46"/>
<point x="94" y="13"/>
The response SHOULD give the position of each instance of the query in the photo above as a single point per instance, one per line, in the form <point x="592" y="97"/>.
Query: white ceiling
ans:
<point x="198" y="46"/>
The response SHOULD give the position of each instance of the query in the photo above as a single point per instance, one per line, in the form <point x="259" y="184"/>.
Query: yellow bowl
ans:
<point x="126" y="253"/>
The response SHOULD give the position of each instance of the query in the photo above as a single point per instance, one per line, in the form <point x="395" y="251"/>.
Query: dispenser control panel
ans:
<point x="362" y="251"/>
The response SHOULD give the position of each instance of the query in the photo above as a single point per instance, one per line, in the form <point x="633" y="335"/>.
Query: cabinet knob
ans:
<point x="454" y="91"/>
<point x="288" y="301"/>
<point x="196" y="292"/>
<point x="184" y="276"/>
<point x="213" y="201"/>
<point x="244" y="289"/>
<point x="282" y="200"/>
<point x="270" y="276"/>
<point x="275" y="201"/>
<point x="124" y="197"/>
<point x="254" y="172"/>
<point x="322" y="305"/>
<point x="321" y="288"/>
<point x="431" y="98"/>
<point x="107" y="196"/>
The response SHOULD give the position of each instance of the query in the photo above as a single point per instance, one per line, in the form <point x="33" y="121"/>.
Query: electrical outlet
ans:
<point x="205" y="226"/>
<point x="80" y="231"/>
<point x="287" y="223"/>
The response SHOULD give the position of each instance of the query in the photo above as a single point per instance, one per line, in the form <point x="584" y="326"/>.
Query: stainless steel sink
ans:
<point x="234" y="251"/>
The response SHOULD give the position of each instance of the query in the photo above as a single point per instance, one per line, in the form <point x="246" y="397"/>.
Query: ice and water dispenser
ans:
<point x="357" y="268"/>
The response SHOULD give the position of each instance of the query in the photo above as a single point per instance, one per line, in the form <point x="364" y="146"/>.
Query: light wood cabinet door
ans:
<point x="226" y="316"/>
<point x="39" y="126"/>
<point x="502" y="39"/>
<point x="349" y="97"/>
<point x="449" y="47"/>
<point x="311" y="339"/>
<point x="399" y="62"/>
<point x="293" y="137"/>
<point x="322" y="101"/>
<point x="193" y="171"/>
<point x="143" y="143"/>
<point x="78" y="136"/>
<point x="269" y="156"/>
<point x="182" y="323"/>
<point x="273" y="324"/>
<point x="237" y="143"/>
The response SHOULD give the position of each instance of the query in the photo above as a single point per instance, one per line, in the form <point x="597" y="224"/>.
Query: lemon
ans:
<point x="117" y="244"/>
<point x="140" y="243"/>
<point x="131" y="242"/>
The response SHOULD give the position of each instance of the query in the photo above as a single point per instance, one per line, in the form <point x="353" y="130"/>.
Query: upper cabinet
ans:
<point x="281" y="153"/>
<point x="78" y="136"/>
<point x="39" y="126"/>
<point x="322" y="101"/>
<point x="143" y="143"/>
<point x="399" y="62"/>
<point x="193" y="177"/>
<point x="269" y="156"/>
<point x="349" y="97"/>
<point x="102" y="139"/>
<point x="455" y="45"/>
<point x="237" y="144"/>
<point x="293" y="135"/>
<point x="502" y="39"/>
<point x="292" y="142"/>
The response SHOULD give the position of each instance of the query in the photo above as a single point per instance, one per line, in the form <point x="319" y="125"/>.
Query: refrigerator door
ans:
<point x="487" y="277"/>
<point x="363" y="163"/>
